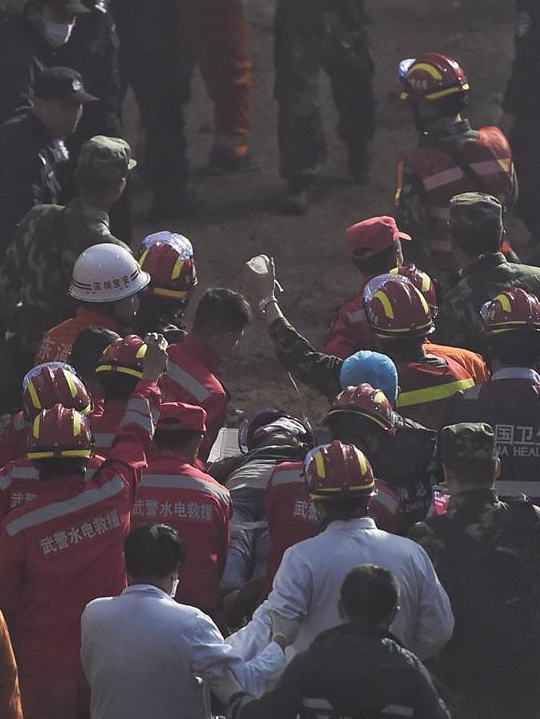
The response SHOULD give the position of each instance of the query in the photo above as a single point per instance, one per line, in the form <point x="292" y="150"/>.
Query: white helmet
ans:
<point x="106" y="273"/>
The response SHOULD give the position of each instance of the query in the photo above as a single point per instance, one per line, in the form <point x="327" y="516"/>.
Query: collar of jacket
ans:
<point x="201" y="352"/>
<point x="517" y="373"/>
<point x="89" y="212"/>
<point x="447" y="129"/>
<point x="350" y="524"/>
<point x="359" y="630"/>
<point x="485" y="262"/>
<point x="94" y="317"/>
<point x="472" y="497"/>
<point x="146" y="589"/>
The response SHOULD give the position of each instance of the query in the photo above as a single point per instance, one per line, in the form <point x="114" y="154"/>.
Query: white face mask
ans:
<point x="57" y="33"/>
<point x="175" y="584"/>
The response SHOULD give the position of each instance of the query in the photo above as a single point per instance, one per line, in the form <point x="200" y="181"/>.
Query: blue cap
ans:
<point x="61" y="83"/>
<point x="376" y="369"/>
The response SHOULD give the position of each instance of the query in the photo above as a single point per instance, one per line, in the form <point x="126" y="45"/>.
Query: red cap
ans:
<point x="366" y="239"/>
<point x="177" y="415"/>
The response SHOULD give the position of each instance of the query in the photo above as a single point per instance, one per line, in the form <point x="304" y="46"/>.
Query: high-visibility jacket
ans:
<point x="105" y="422"/>
<point x="194" y="503"/>
<point x="20" y="483"/>
<point x="351" y="332"/>
<point x="63" y="549"/>
<point x="510" y="403"/>
<point x="490" y="157"/>
<point x="192" y="378"/>
<point x="426" y="387"/>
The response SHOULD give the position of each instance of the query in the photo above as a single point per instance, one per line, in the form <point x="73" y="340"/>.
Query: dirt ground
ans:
<point x="241" y="216"/>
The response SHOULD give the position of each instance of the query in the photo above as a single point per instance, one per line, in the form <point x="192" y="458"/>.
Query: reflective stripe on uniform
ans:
<point x="433" y="394"/>
<point x="139" y="404"/>
<point x="59" y="509"/>
<point x="509" y="488"/>
<point x="357" y="316"/>
<point x="188" y="382"/>
<point x="309" y="703"/>
<point x="287" y="476"/>
<point x="443" y="178"/>
<point x="144" y="421"/>
<point x="184" y="481"/>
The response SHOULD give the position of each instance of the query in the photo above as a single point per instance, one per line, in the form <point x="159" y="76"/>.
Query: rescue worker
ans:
<point x="85" y="353"/>
<point x="194" y="372"/>
<point x="146" y="655"/>
<point x="451" y="158"/>
<point x="10" y="696"/>
<point x="509" y="402"/>
<point x="117" y="372"/>
<point x="64" y="548"/>
<point x="105" y="282"/>
<point x="168" y="259"/>
<point x="476" y="229"/>
<point x="35" y="275"/>
<point x="332" y="36"/>
<point x="351" y="331"/>
<point x="32" y="144"/>
<point x="340" y="481"/>
<point x="268" y="438"/>
<point x="355" y="669"/>
<point x="191" y="501"/>
<point x="486" y="553"/>
<point x="218" y="41"/>
<point x="520" y="107"/>
<point x="401" y="318"/>
<point x="43" y="386"/>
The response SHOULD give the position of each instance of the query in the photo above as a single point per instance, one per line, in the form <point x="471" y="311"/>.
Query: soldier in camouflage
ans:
<point x="477" y="231"/>
<point x="309" y="35"/>
<point x="477" y="519"/>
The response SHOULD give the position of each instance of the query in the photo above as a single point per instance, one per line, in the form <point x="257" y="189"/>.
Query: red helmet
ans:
<point x="422" y="281"/>
<point x="396" y="309"/>
<point x="431" y="76"/>
<point x="338" y="471"/>
<point x="59" y="432"/>
<point x="510" y="311"/>
<point x="172" y="273"/>
<point x="124" y="355"/>
<point x="265" y="416"/>
<point x="366" y="401"/>
<point x="52" y="383"/>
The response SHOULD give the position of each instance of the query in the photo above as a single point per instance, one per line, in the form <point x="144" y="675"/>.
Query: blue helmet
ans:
<point x="374" y="368"/>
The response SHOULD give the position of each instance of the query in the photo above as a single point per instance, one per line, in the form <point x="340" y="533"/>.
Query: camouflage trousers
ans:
<point x="311" y="35"/>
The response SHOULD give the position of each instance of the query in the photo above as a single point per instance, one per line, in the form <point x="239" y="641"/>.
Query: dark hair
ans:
<point x="369" y="593"/>
<point x="477" y="472"/>
<point x="353" y="428"/>
<point x="175" y="440"/>
<point x="116" y="385"/>
<point x="475" y="239"/>
<point x="154" y="311"/>
<point x="516" y="349"/>
<point x="154" y="550"/>
<point x="87" y="349"/>
<point x="409" y="349"/>
<point x="54" y="467"/>
<point x="380" y="263"/>
<point x="345" y="508"/>
<point x="98" y="183"/>
<point x="221" y="310"/>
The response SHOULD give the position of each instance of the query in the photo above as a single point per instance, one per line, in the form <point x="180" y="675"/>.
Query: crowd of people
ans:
<point x="380" y="561"/>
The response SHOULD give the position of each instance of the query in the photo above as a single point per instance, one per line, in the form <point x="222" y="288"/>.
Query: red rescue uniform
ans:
<point x="191" y="501"/>
<point x="64" y="549"/>
<point x="192" y="378"/>
<point x="490" y="157"/>
<point x="426" y="387"/>
<point x="105" y="422"/>
<point x="290" y="513"/>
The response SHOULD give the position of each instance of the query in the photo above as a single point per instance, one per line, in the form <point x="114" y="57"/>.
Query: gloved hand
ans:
<point x="156" y="357"/>
<point x="284" y="631"/>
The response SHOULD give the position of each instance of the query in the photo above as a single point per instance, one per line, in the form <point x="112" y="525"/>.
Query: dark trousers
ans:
<point x="310" y="35"/>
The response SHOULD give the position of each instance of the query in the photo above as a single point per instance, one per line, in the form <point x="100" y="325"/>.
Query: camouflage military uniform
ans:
<point x="310" y="34"/>
<point x="483" y="519"/>
<point x="458" y="321"/>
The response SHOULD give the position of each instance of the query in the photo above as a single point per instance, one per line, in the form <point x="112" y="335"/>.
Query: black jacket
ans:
<point x="349" y="671"/>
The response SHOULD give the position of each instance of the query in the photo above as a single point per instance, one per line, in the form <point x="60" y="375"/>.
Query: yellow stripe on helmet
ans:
<point x="361" y="461"/>
<point x="435" y="74"/>
<point x="426" y="283"/>
<point x="319" y="463"/>
<point x="141" y="352"/>
<point x="504" y="302"/>
<point x="449" y="91"/>
<point x="36" y="427"/>
<point x="76" y="424"/>
<point x="387" y="305"/>
<point x="143" y="256"/>
<point x="71" y="383"/>
<point x="34" y="395"/>
<point x="177" y="269"/>
<point x="174" y="294"/>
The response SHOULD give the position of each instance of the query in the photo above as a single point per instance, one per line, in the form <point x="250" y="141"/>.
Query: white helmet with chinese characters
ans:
<point x="106" y="273"/>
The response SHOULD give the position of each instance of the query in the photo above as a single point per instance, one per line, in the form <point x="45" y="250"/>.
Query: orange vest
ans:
<point x="490" y="157"/>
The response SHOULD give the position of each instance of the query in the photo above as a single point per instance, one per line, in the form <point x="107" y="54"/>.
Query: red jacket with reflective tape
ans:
<point x="65" y="548"/>
<point x="290" y="513"/>
<point x="426" y="387"/>
<point x="491" y="159"/>
<point x="192" y="378"/>
<point x="105" y="422"/>
<point x="176" y="493"/>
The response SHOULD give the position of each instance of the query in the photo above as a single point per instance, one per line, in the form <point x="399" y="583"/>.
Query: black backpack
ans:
<point x="496" y="642"/>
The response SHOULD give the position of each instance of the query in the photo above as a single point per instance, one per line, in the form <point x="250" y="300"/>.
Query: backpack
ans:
<point x="495" y="647"/>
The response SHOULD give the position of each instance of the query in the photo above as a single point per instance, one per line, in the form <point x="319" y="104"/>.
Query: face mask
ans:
<point x="175" y="584"/>
<point x="57" y="33"/>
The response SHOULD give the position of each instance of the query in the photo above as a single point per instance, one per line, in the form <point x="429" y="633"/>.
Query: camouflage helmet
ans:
<point x="466" y="442"/>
